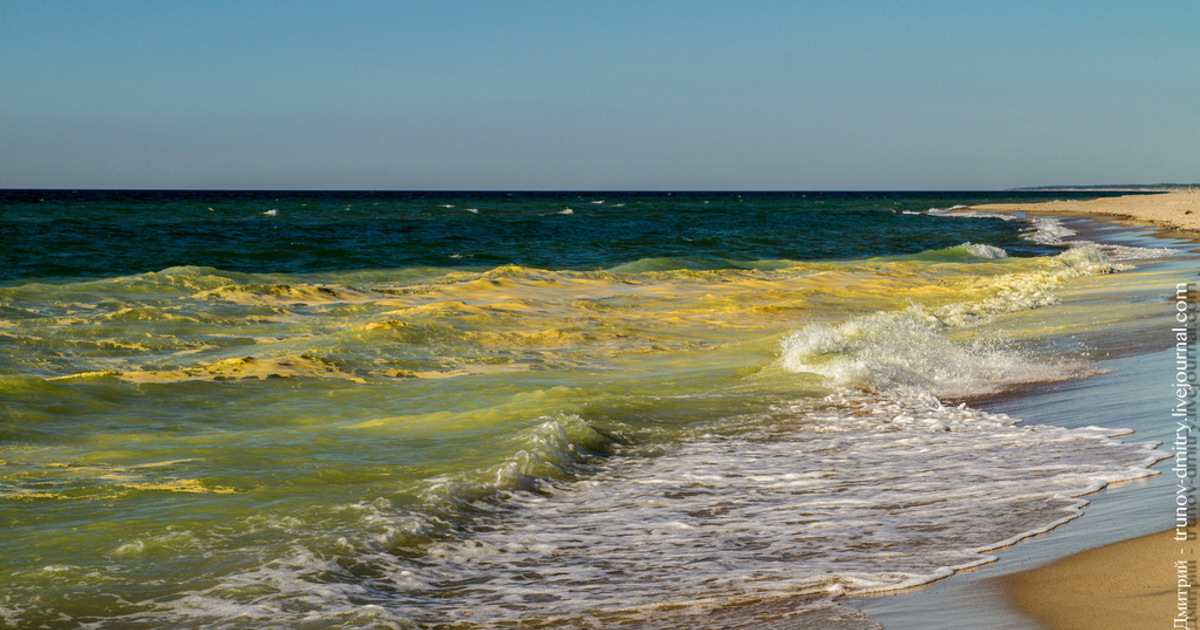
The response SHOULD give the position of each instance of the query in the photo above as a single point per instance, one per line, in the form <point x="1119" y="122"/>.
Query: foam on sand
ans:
<point x="1180" y="210"/>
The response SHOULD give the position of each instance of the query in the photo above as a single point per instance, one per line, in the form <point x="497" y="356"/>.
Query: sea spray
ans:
<point x="914" y="349"/>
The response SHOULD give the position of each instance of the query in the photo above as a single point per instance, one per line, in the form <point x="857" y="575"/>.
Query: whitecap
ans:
<point x="906" y="352"/>
<point x="983" y="250"/>
<point x="913" y="350"/>
<point x="1047" y="231"/>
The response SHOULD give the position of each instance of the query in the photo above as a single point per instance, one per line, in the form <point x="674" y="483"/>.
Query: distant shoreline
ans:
<point x="1179" y="210"/>
<point x="1147" y="188"/>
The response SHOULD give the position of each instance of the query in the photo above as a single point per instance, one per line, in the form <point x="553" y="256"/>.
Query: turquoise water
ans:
<point x="437" y="410"/>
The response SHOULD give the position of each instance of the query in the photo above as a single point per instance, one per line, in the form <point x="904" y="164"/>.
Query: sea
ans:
<point x="468" y="410"/>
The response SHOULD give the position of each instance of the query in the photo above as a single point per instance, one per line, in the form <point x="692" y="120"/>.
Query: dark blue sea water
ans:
<point x="96" y="233"/>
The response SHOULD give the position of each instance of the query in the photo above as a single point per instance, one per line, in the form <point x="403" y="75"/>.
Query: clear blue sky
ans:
<point x="561" y="94"/>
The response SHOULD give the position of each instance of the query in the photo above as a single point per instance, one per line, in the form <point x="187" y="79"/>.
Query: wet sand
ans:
<point x="1132" y="584"/>
<point x="980" y="598"/>
<point x="1142" y="582"/>
<point x="1114" y="568"/>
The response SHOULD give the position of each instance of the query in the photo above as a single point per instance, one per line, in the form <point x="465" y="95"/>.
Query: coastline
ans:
<point x="1118" y="557"/>
<point x="1170" y="210"/>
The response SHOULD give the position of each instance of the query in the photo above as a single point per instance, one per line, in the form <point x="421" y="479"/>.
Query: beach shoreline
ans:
<point x="1145" y="581"/>
<point x="1176" y="211"/>
<point x="1114" y="568"/>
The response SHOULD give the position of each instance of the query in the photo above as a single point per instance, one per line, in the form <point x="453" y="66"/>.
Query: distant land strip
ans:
<point x="1119" y="188"/>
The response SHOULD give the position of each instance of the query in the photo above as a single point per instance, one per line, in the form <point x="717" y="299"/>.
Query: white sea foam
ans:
<point x="1051" y="231"/>
<point x="1047" y="231"/>
<point x="965" y="212"/>
<point x="983" y="250"/>
<point x="915" y="350"/>
<point x="1127" y="253"/>
<point x="907" y="351"/>
<point x="720" y="519"/>
<point x="954" y="208"/>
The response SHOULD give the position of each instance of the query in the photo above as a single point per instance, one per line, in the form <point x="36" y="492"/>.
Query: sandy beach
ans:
<point x="1173" y="210"/>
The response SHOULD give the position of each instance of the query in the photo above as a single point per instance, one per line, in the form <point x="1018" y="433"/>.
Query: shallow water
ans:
<point x="477" y="410"/>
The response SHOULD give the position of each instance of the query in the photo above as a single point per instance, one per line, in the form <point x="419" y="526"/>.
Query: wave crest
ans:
<point x="915" y="349"/>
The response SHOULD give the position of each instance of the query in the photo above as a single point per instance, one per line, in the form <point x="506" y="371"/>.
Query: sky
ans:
<point x="605" y="95"/>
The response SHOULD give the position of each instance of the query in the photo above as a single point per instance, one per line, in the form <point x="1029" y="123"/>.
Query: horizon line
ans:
<point x="1052" y="188"/>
